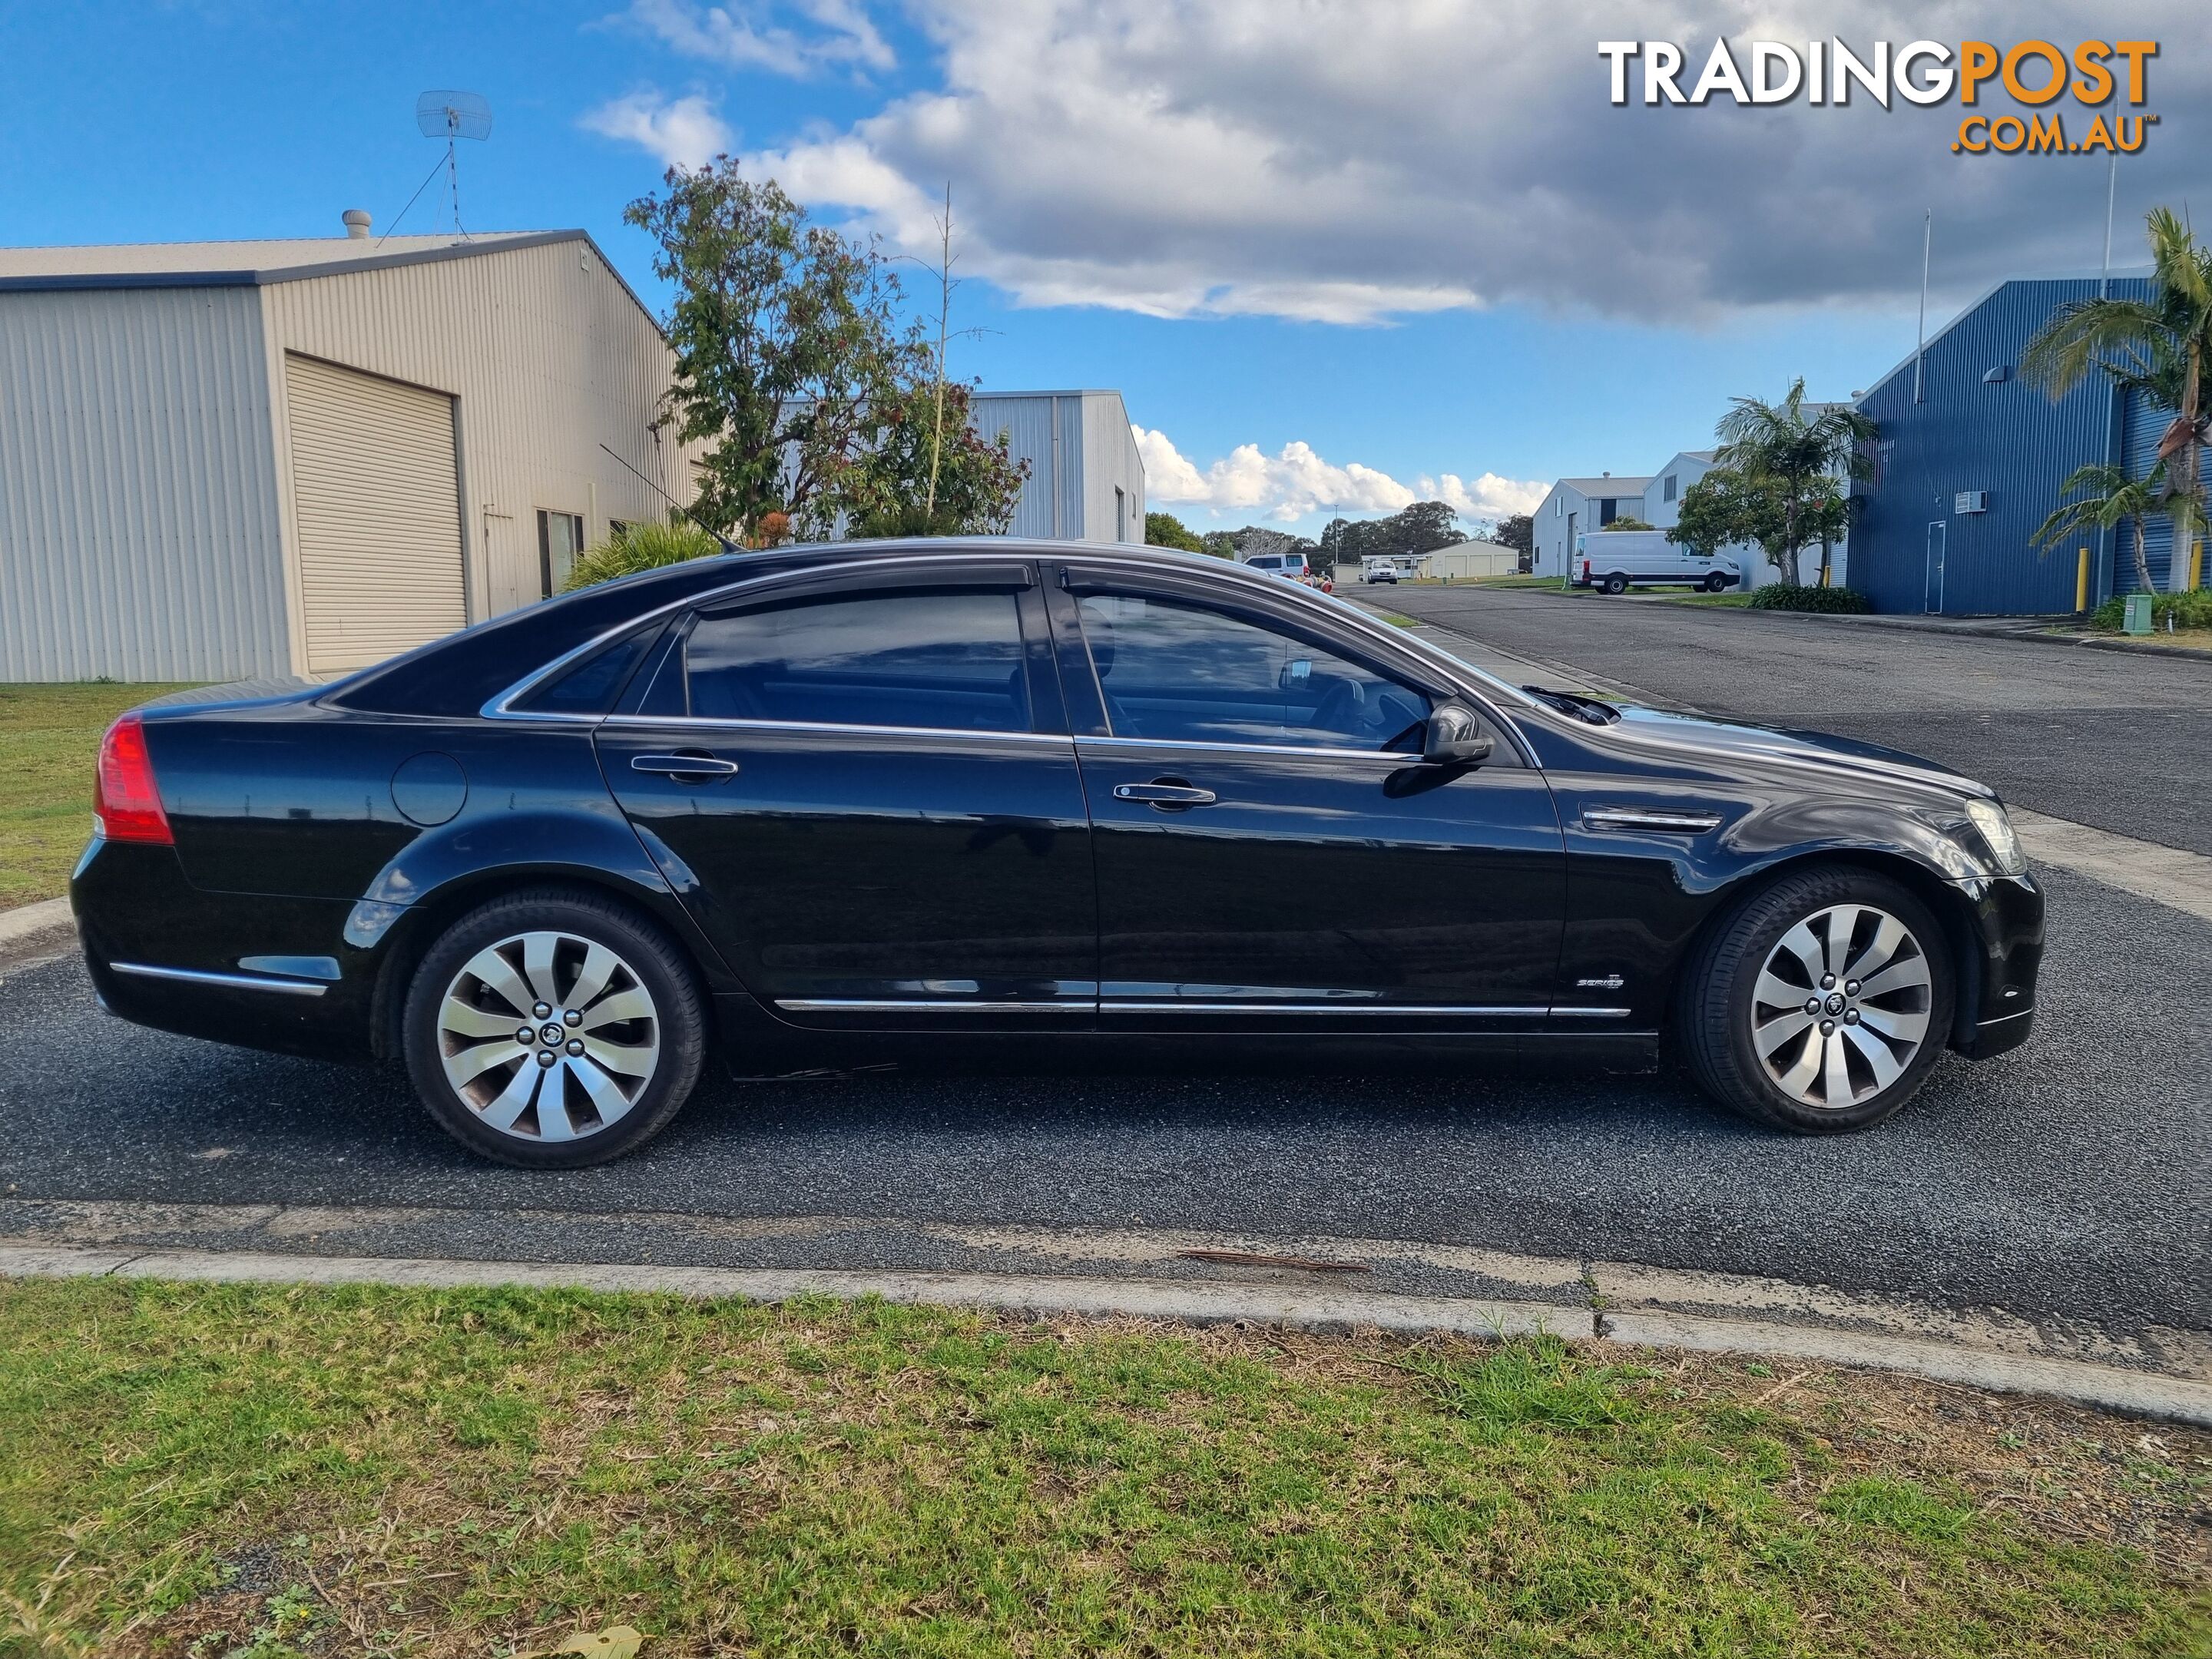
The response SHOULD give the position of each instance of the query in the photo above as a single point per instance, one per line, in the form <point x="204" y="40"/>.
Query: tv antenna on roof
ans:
<point x="450" y="116"/>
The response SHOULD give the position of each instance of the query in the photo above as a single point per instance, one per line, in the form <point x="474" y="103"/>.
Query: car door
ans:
<point x="1268" y="845"/>
<point x="863" y="787"/>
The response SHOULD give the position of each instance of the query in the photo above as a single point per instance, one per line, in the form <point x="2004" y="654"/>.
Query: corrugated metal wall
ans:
<point x="1110" y="461"/>
<point x="138" y="530"/>
<point x="2142" y="427"/>
<point x="2006" y="437"/>
<point x="548" y="356"/>
<point x="1047" y="430"/>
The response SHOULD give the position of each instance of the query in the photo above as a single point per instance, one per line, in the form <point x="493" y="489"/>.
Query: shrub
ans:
<point x="638" y="547"/>
<point x="2191" y="610"/>
<point x="1787" y="596"/>
<point x="1627" y="523"/>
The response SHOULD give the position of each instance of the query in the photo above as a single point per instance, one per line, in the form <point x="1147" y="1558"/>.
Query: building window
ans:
<point x="1667" y="490"/>
<point x="1120" y="514"/>
<point x="1558" y="505"/>
<point x="560" y="539"/>
<point x="1608" y="511"/>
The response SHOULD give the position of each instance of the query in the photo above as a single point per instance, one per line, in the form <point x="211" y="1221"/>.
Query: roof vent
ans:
<point x="357" y="224"/>
<point x="1998" y="375"/>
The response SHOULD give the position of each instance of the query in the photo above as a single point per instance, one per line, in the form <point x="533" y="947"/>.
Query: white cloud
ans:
<point x="832" y="34"/>
<point x="1344" y="162"/>
<point x="681" y="132"/>
<point x="1488" y="496"/>
<point x="1296" y="482"/>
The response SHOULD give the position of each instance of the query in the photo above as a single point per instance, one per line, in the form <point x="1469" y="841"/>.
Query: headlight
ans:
<point x="1996" y="830"/>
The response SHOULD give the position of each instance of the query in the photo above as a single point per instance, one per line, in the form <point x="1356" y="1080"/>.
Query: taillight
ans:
<point x="125" y="801"/>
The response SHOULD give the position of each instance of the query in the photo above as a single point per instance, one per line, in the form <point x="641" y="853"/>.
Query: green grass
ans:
<point x="225" y="1470"/>
<point x="1684" y="596"/>
<point x="49" y="739"/>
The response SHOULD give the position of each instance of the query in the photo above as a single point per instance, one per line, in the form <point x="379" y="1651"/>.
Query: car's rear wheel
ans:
<point x="1821" y="1003"/>
<point x="1616" y="583"/>
<point x="553" y="1030"/>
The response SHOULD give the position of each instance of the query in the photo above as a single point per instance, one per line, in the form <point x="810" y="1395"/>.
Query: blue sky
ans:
<point x="1267" y="227"/>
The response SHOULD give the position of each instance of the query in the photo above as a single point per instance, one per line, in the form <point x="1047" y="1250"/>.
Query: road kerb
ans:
<point x="1321" y="1308"/>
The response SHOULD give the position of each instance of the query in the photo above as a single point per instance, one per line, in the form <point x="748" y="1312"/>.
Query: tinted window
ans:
<point x="939" y="659"/>
<point x="592" y="686"/>
<point x="1183" y="672"/>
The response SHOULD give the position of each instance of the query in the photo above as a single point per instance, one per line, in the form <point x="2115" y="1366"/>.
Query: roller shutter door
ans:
<point x="379" y="513"/>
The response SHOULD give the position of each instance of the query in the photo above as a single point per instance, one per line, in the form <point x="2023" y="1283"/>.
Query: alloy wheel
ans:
<point x="1841" y="1006"/>
<point x="548" y="1037"/>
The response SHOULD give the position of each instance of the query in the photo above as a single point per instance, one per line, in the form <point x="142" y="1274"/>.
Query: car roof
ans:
<point x="457" y="674"/>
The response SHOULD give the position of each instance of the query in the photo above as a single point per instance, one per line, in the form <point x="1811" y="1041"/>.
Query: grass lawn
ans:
<point x="265" y="1470"/>
<point x="49" y="739"/>
<point x="1690" y="596"/>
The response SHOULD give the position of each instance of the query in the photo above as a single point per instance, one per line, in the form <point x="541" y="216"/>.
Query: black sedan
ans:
<point x="862" y="797"/>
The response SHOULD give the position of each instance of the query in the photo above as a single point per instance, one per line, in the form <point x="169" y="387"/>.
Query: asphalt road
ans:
<point x="2066" y="1181"/>
<point x="2121" y="742"/>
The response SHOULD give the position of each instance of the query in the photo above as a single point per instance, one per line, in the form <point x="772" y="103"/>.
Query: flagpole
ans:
<point x="1920" y="350"/>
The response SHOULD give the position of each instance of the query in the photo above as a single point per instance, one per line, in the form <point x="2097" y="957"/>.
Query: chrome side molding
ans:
<point x="296" y="988"/>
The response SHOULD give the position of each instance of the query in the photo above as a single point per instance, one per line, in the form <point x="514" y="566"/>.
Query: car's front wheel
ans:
<point x="1821" y="1003"/>
<point x="1715" y="582"/>
<point x="553" y="1030"/>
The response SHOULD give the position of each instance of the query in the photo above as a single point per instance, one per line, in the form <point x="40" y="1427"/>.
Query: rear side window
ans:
<point x="949" y="660"/>
<point x="590" y="686"/>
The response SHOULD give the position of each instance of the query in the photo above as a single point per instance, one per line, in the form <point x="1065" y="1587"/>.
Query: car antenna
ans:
<point x="728" y="546"/>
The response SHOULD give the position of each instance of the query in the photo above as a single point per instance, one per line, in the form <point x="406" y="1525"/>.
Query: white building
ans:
<point x="223" y="459"/>
<point x="1576" y="505"/>
<point x="1477" y="557"/>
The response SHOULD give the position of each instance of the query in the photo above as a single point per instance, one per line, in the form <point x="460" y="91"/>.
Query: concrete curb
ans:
<point x="35" y="929"/>
<point x="1329" y="1310"/>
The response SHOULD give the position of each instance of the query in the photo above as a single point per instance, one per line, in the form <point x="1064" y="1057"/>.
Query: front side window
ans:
<point x="945" y="660"/>
<point x="1177" y="672"/>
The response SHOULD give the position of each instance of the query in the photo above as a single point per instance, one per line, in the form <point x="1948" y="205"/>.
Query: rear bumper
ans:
<point x="259" y="971"/>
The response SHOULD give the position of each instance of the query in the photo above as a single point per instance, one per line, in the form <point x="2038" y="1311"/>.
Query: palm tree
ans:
<point x="2159" y="348"/>
<point x="1803" y="450"/>
<point x="2108" y="498"/>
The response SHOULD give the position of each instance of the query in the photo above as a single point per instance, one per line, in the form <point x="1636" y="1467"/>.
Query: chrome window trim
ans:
<point x="499" y="707"/>
<point x="1558" y="1013"/>
<point x="296" y="988"/>
<point x="750" y="724"/>
<point x="1396" y="758"/>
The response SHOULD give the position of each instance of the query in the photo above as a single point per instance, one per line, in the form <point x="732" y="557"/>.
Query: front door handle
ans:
<point x="1168" y="794"/>
<point x="695" y="766"/>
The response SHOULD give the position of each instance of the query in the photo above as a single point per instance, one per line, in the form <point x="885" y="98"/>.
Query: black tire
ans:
<point x="1717" y="1001"/>
<point x="1715" y="582"/>
<point x="673" y="1030"/>
<point x="1616" y="583"/>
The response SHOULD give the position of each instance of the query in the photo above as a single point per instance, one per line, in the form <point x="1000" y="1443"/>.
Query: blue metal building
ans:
<point x="1971" y="458"/>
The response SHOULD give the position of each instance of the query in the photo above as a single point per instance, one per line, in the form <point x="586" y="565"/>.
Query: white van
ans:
<point x="1616" y="560"/>
<point x="1290" y="567"/>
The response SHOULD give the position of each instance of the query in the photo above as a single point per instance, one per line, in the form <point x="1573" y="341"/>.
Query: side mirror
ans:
<point x="1455" y="737"/>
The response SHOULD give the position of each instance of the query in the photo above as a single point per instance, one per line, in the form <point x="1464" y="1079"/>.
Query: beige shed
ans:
<point x="228" y="459"/>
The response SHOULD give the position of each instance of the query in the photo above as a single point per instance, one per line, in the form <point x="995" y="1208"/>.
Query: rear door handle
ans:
<point x="700" y="766"/>
<point x="1165" y="794"/>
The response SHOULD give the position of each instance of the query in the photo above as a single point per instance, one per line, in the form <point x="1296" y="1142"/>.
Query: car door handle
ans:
<point x="700" y="766"/>
<point x="1165" y="794"/>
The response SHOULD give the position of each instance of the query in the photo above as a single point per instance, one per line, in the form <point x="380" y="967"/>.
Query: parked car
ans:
<point x="831" y="801"/>
<point x="1378" y="570"/>
<point x="1616" y="560"/>
<point x="1292" y="567"/>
